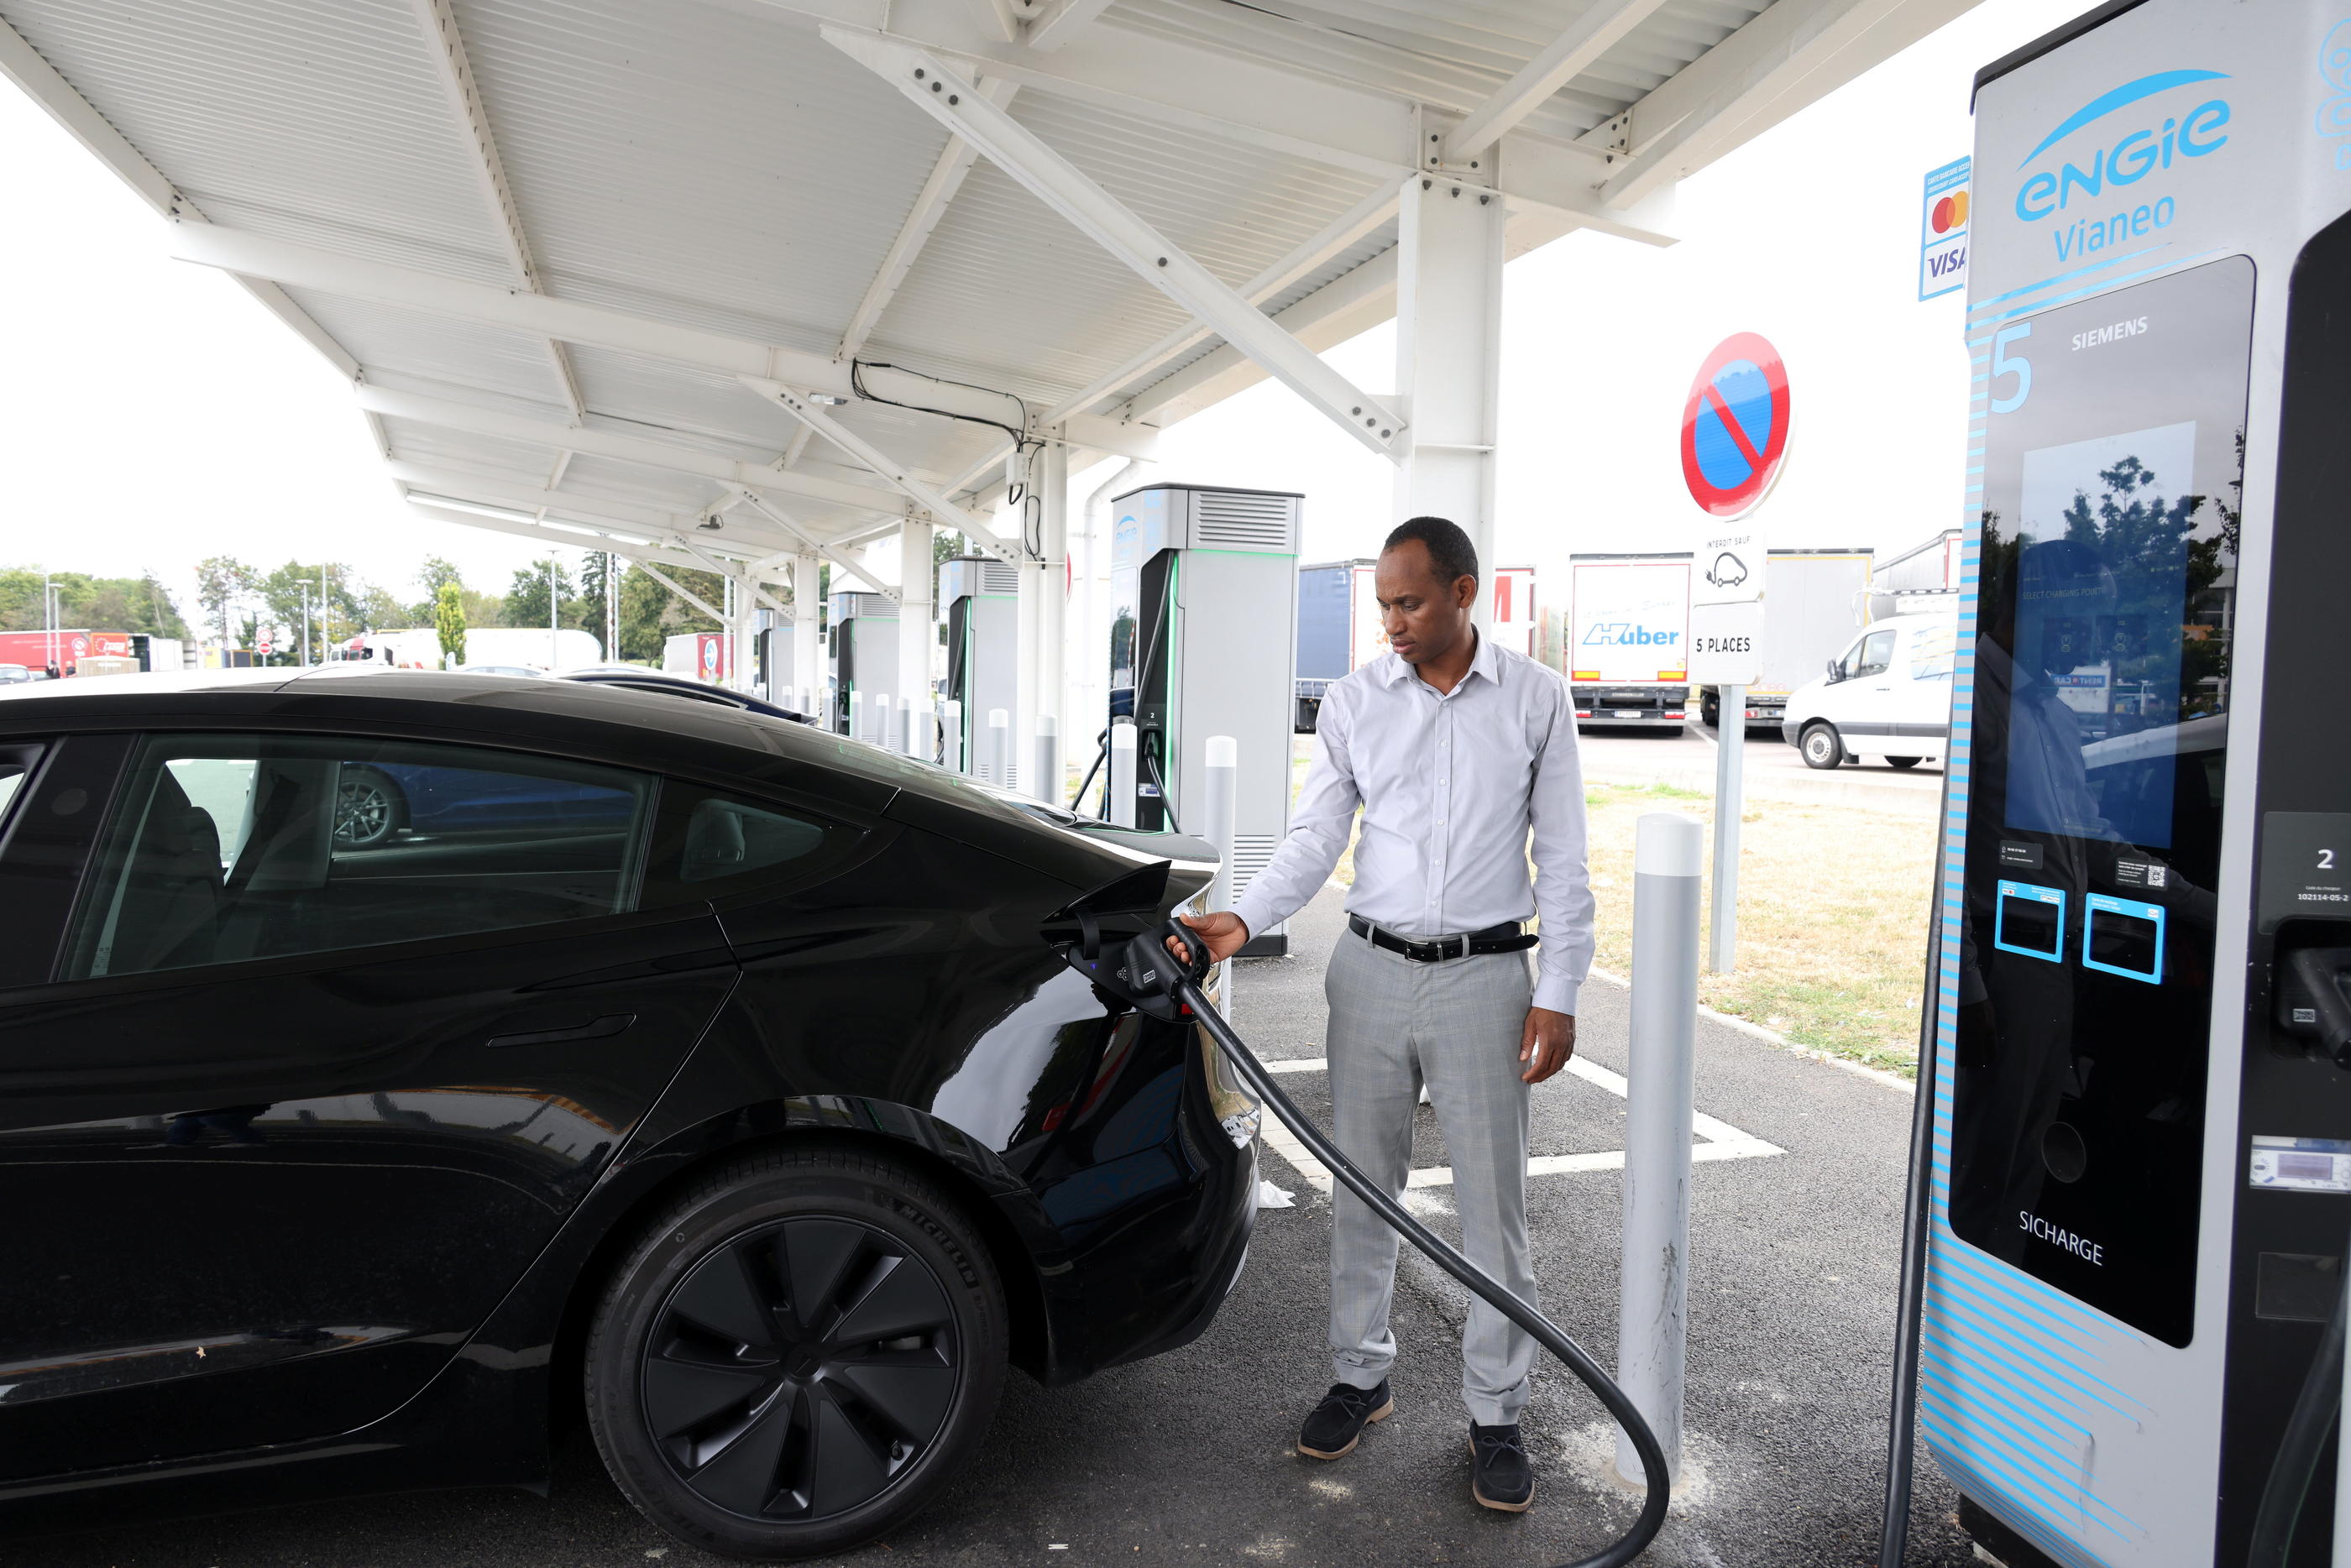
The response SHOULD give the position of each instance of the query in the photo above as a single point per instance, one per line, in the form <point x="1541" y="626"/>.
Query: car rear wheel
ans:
<point x="798" y="1355"/>
<point x="1902" y="762"/>
<point x="1820" y="747"/>
<point x="367" y="809"/>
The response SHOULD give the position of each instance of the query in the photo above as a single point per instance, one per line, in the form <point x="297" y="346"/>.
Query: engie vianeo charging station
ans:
<point x="2138" y="1190"/>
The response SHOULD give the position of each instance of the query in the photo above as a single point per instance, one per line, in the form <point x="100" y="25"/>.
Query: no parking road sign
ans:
<point x="1735" y="426"/>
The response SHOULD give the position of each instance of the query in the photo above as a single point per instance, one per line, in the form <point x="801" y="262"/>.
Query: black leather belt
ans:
<point x="1507" y="937"/>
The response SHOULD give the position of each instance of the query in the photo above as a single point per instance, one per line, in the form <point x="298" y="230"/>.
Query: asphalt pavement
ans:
<point x="1187" y="1458"/>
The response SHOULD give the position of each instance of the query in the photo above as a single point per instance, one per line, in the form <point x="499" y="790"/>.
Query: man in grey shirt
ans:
<point x="1461" y="754"/>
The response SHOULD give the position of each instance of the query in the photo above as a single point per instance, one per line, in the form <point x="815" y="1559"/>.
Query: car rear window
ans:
<point x="229" y="848"/>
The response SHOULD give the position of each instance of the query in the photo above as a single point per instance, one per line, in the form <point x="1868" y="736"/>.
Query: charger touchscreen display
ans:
<point x="2098" y="684"/>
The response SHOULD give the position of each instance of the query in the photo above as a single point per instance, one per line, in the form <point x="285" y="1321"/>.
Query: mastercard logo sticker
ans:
<point x="1950" y="213"/>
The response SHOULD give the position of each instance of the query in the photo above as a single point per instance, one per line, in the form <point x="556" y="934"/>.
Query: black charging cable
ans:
<point x="1145" y="973"/>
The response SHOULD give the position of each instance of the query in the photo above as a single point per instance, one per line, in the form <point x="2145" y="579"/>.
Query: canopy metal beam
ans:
<point x="1346" y="230"/>
<point x="636" y="449"/>
<point x="1567" y="57"/>
<point x="301" y="265"/>
<point x="447" y="46"/>
<point x="923" y="493"/>
<point x="1061" y="185"/>
<point x="1790" y="55"/>
<point x="839" y="557"/>
<point x="931" y="203"/>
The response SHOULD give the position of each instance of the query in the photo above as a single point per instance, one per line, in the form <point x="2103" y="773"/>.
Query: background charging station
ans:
<point x="1204" y="640"/>
<point x="979" y="603"/>
<point x="863" y="647"/>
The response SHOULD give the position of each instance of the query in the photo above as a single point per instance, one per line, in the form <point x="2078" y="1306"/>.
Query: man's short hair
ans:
<point x="1450" y="554"/>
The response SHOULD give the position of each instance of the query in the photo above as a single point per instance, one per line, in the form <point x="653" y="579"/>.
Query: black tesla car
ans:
<point x="750" y="1103"/>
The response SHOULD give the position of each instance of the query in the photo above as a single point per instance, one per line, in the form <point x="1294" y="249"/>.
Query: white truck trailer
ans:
<point x="1813" y="601"/>
<point x="1625" y="647"/>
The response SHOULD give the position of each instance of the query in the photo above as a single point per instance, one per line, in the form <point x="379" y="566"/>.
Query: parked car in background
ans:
<point x="764" y="1110"/>
<point x="1887" y="694"/>
<point x="15" y="675"/>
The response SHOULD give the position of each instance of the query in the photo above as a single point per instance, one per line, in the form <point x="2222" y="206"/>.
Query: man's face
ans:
<point x="1424" y="617"/>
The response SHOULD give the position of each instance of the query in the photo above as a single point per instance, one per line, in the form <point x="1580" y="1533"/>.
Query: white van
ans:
<point x="1887" y="694"/>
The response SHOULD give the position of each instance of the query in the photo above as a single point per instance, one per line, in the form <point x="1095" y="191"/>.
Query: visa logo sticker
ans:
<point x="1943" y="228"/>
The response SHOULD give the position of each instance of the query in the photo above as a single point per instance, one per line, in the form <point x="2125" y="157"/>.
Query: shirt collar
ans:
<point x="1487" y="662"/>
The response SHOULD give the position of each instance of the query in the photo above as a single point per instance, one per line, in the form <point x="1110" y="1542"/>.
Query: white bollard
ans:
<point x="880" y="713"/>
<point x="1652" y="1329"/>
<point x="856" y="731"/>
<point x="1047" y="784"/>
<point x="951" y="738"/>
<point x="999" y="747"/>
<point x="1122" y="773"/>
<point x="1224" y="789"/>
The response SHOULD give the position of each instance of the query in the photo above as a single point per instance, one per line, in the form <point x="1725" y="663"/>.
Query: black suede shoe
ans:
<point x="1499" y="1474"/>
<point x="1337" y="1423"/>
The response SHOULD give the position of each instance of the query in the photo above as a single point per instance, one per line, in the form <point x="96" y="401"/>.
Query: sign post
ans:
<point x="1734" y="442"/>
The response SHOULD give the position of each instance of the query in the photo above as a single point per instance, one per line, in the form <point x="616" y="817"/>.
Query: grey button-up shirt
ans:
<point x="1451" y="786"/>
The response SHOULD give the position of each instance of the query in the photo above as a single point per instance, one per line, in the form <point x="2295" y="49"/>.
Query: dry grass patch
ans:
<point x="1832" y="916"/>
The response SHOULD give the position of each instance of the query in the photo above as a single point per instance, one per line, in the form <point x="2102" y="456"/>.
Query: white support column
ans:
<point x="1050" y="473"/>
<point x="918" y="632"/>
<point x="1448" y="358"/>
<point x="808" y="638"/>
<point x="746" y="633"/>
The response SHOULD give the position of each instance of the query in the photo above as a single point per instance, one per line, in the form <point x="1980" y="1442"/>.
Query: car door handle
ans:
<point x="602" y="1028"/>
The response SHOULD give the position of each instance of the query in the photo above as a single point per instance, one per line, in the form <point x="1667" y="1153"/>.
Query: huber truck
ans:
<point x="1625" y="647"/>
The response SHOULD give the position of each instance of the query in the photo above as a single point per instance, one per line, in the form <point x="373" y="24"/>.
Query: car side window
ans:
<point x="229" y="848"/>
<point x="14" y="767"/>
<point x="1877" y="654"/>
<point x="710" y="845"/>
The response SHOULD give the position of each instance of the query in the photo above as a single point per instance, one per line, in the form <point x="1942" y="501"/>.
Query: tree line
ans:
<point x="236" y="601"/>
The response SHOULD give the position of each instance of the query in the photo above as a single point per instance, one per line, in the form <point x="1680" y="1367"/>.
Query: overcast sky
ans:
<point x="151" y="414"/>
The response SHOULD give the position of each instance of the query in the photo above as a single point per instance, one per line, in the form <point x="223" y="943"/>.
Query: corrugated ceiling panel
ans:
<point x="1452" y="54"/>
<point x="385" y="337"/>
<point x="662" y="391"/>
<point x="317" y="119"/>
<point x="436" y="446"/>
<point x="752" y="183"/>
<point x="1026" y="303"/>
<point x="587" y="477"/>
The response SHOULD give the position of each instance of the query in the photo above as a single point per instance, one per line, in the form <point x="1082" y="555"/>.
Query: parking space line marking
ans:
<point x="1721" y="1141"/>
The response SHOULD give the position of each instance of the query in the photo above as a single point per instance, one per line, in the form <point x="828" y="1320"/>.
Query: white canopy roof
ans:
<point x="649" y="267"/>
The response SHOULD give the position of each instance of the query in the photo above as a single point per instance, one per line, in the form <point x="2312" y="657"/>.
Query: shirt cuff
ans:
<point x="1255" y="912"/>
<point x="1555" y="994"/>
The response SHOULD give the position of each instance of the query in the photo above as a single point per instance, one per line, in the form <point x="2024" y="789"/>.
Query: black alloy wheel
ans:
<point x="799" y="1355"/>
<point x="367" y="809"/>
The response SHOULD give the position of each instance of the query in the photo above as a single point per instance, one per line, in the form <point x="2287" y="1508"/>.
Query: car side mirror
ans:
<point x="1837" y="670"/>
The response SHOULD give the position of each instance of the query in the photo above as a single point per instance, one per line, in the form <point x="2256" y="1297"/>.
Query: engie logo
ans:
<point x="2126" y="162"/>
<point x="1626" y="634"/>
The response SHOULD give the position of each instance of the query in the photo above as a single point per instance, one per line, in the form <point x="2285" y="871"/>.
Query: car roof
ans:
<point x="607" y="722"/>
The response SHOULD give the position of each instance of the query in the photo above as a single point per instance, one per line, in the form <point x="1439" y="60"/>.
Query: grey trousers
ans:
<point x="1395" y="1025"/>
